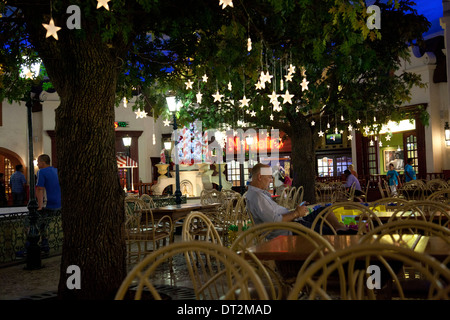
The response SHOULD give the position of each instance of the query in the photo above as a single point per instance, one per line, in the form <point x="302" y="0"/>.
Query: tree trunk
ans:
<point x="93" y="212"/>
<point x="303" y="158"/>
<point x="83" y="69"/>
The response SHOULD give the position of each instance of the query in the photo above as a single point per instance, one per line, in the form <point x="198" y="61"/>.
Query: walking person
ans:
<point x="394" y="180"/>
<point x="18" y="182"/>
<point x="48" y="185"/>
<point x="410" y="173"/>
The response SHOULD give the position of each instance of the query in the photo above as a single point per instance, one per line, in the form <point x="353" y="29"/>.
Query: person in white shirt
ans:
<point x="264" y="209"/>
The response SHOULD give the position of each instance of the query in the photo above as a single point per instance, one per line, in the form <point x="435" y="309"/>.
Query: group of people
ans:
<point x="48" y="192"/>
<point x="394" y="178"/>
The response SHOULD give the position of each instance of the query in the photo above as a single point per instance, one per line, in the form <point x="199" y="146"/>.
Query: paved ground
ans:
<point x="17" y="283"/>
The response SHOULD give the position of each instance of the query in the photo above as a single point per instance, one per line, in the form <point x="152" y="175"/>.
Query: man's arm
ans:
<point x="297" y="213"/>
<point x="40" y="197"/>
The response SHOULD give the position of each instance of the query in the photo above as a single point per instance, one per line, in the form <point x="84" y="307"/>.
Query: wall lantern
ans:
<point x="447" y="134"/>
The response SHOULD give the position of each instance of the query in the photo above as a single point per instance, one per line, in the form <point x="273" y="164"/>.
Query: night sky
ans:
<point x="431" y="9"/>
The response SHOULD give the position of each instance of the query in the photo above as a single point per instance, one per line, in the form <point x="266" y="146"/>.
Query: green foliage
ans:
<point x="159" y="45"/>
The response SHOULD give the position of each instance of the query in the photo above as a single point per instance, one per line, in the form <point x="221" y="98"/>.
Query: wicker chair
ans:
<point x="440" y="196"/>
<point x="424" y="210"/>
<point x="148" y="200"/>
<point x="354" y="266"/>
<point x="275" y="283"/>
<point x="197" y="226"/>
<point x="142" y="233"/>
<point x="217" y="273"/>
<point x="367" y="219"/>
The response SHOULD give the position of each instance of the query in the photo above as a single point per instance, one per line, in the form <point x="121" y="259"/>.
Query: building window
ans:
<point x="342" y="164"/>
<point x="234" y="172"/>
<point x="325" y="167"/>
<point x="333" y="165"/>
<point x="411" y="151"/>
<point x="372" y="159"/>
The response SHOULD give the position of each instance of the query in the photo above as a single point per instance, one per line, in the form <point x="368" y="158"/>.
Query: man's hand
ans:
<point x="301" y="211"/>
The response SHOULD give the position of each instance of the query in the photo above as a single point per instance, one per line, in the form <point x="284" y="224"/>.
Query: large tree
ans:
<point x="148" y="47"/>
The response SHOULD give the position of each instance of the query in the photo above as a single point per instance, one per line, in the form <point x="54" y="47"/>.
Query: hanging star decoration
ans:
<point x="273" y="97"/>
<point x="166" y="122"/>
<point x="140" y="114"/>
<point x="225" y="3"/>
<point x="265" y="77"/>
<point x="388" y="137"/>
<point x="244" y="101"/>
<point x="189" y="84"/>
<point x="271" y="117"/>
<point x="350" y="127"/>
<point x="276" y="106"/>
<point x="230" y="86"/>
<point x="371" y="143"/>
<point x="313" y="123"/>
<point x="258" y="85"/>
<point x="366" y="129"/>
<point x="199" y="97"/>
<point x="249" y="44"/>
<point x="380" y="143"/>
<point x="205" y="78"/>
<point x="288" y="77"/>
<point x="287" y="97"/>
<point x="291" y="69"/>
<point x="304" y="84"/>
<point x="217" y="97"/>
<point x="349" y="137"/>
<point x="253" y="114"/>
<point x="103" y="3"/>
<point x="29" y="75"/>
<point x="321" y="133"/>
<point x="51" y="29"/>
<point x="125" y="102"/>
<point x="358" y="121"/>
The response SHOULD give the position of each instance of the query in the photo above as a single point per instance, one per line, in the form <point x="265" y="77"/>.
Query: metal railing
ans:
<point x="14" y="231"/>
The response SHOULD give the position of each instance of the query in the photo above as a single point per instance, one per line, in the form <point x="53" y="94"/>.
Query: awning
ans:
<point x="126" y="162"/>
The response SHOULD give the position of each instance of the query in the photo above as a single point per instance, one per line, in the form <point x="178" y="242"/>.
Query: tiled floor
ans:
<point x="16" y="283"/>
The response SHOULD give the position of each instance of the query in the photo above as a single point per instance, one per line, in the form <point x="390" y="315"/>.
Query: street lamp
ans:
<point x="175" y="106"/>
<point x="33" y="260"/>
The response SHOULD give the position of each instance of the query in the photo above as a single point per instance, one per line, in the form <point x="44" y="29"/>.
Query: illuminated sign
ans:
<point x="120" y="124"/>
<point x="261" y="144"/>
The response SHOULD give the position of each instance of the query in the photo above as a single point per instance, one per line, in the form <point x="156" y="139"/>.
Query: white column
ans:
<point x="445" y="24"/>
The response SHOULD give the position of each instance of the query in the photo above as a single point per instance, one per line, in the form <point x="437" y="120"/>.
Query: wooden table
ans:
<point x="289" y="252"/>
<point x="384" y="216"/>
<point x="178" y="212"/>
<point x="289" y="248"/>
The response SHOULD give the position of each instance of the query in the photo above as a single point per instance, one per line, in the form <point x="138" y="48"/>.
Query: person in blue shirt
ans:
<point x="393" y="177"/>
<point x="48" y="184"/>
<point x="410" y="173"/>
<point x="17" y="183"/>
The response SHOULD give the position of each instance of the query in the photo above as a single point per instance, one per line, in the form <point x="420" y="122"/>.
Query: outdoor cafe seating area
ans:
<point x="400" y="248"/>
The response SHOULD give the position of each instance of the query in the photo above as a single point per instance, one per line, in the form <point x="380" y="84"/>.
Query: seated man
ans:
<point x="264" y="209"/>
